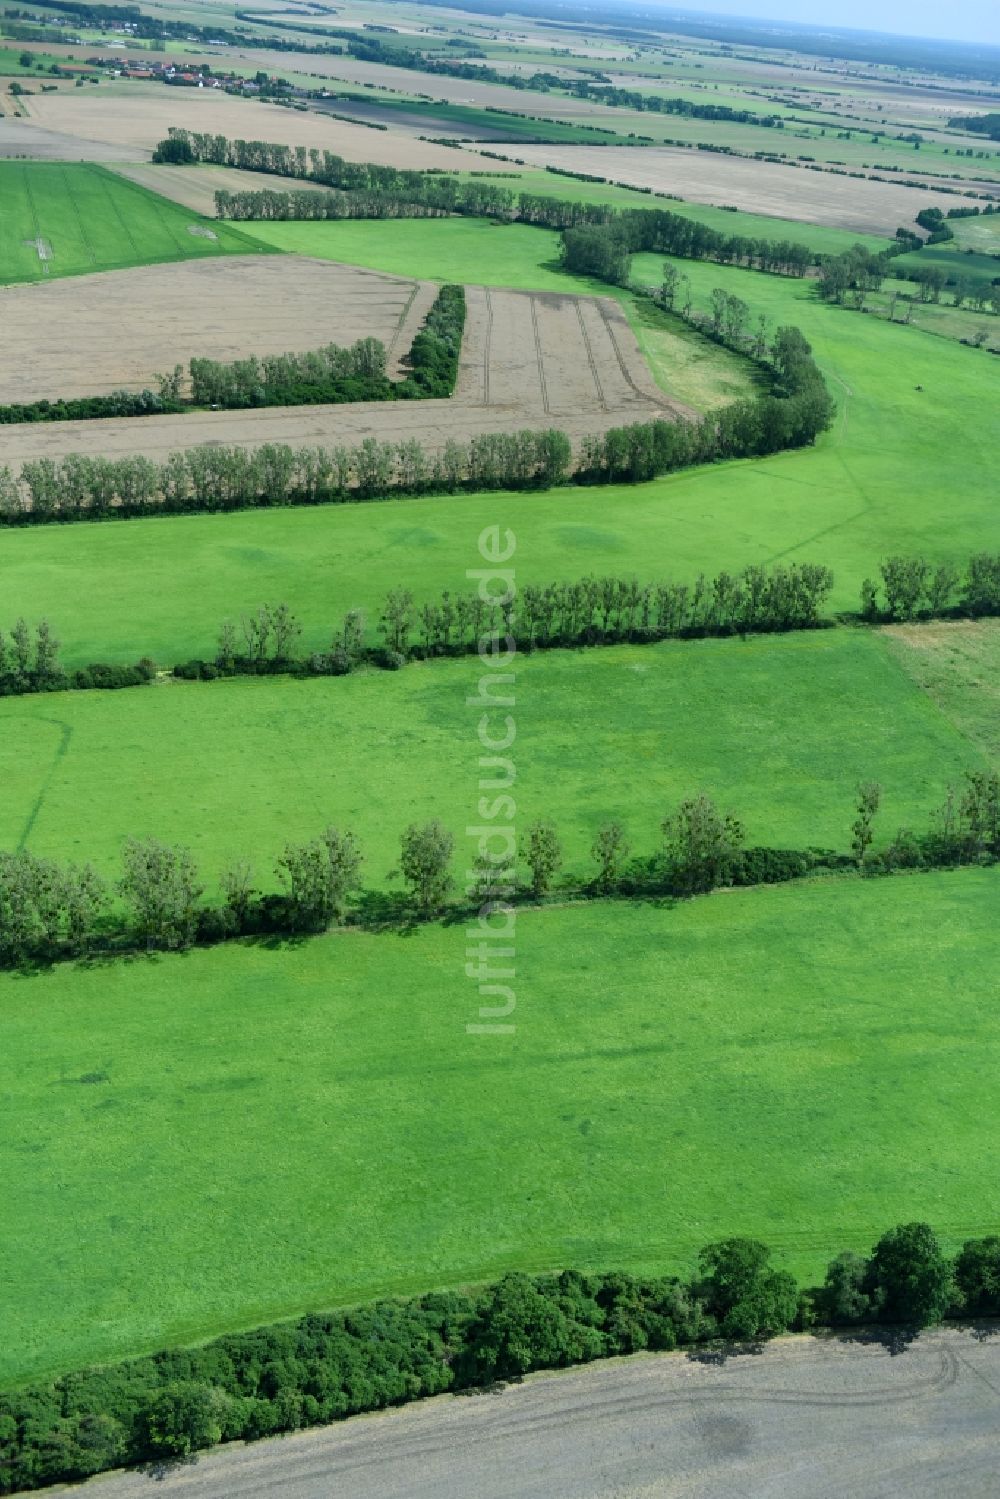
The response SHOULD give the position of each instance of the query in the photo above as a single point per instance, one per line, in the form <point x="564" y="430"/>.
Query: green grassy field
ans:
<point x="955" y="260"/>
<point x="779" y="729"/>
<point x="93" y="220"/>
<point x="957" y="663"/>
<point x="980" y="234"/>
<point x="904" y="470"/>
<point x="195" y="1143"/>
<point x="690" y="368"/>
<point x="11" y="65"/>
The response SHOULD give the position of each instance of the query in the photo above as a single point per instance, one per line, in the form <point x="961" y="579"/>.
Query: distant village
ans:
<point x="202" y="76"/>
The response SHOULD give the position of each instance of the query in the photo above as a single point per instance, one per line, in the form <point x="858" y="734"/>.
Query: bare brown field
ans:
<point x="217" y="309"/>
<point x="136" y="116"/>
<point x="37" y="143"/>
<point x="195" y="187"/>
<point x="755" y="186"/>
<point x="528" y="360"/>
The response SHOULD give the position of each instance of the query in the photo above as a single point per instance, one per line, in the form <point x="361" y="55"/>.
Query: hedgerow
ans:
<point x="330" y="1365"/>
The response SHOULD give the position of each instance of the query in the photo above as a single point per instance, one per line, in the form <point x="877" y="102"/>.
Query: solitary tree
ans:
<point x="237" y="883"/>
<point x="610" y="851"/>
<point x="160" y="884"/>
<point x="319" y="877"/>
<point x="701" y="847"/>
<point x="425" y="855"/>
<point x="542" y="852"/>
<point x="862" y="829"/>
<point x="747" y="1298"/>
<point x="909" y="1278"/>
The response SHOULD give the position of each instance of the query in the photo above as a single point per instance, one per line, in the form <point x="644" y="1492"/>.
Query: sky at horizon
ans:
<point x="961" y="21"/>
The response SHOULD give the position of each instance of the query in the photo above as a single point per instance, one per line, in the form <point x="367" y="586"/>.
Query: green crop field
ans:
<point x="779" y="729"/>
<point x="65" y="219"/>
<point x="39" y="66"/>
<point x="216" y="1140"/>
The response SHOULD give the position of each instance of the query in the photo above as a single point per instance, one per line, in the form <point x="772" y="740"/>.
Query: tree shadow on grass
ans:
<point x="386" y="911"/>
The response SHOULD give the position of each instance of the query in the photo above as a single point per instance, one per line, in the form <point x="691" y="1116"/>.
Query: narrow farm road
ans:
<point x="805" y="1419"/>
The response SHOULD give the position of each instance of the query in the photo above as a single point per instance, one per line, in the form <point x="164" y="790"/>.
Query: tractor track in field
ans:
<point x="530" y="360"/>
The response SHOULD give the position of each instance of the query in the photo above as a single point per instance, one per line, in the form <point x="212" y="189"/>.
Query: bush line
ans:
<point x="591" y="611"/>
<point x="330" y="1365"/>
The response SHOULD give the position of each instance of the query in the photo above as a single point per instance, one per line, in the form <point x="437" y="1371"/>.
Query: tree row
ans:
<point x="50" y="911"/>
<point x="368" y="190"/>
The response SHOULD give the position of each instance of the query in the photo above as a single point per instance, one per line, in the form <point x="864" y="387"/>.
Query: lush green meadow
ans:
<point x="92" y="220"/>
<point x="193" y="1143"/>
<point x="957" y="663"/>
<point x="210" y="1140"/>
<point x="779" y="729"/>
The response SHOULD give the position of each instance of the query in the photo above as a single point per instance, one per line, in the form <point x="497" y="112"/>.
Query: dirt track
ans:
<point x="216" y="309"/>
<point x="804" y="1419"/>
<point x="755" y="186"/>
<point x="528" y="360"/>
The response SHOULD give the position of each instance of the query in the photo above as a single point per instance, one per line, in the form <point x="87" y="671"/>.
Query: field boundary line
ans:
<point x="34" y="218"/>
<point x="156" y="202"/>
<point x="538" y="356"/>
<point x="489" y="346"/>
<point x="403" y="316"/>
<point x="618" y="355"/>
<point x="118" y="215"/>
<point x="66" y="731"/>
<point x="590" y="356"/>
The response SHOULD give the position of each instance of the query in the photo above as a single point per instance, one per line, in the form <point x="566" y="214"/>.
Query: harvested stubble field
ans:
<point x="23" y="138"/>
<point x="761" y="187"/>
<point x="220" y="309"/>
<point x="139" y="116"/>
<point x="529" y="360"/>
<point x="195" y="187"/>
